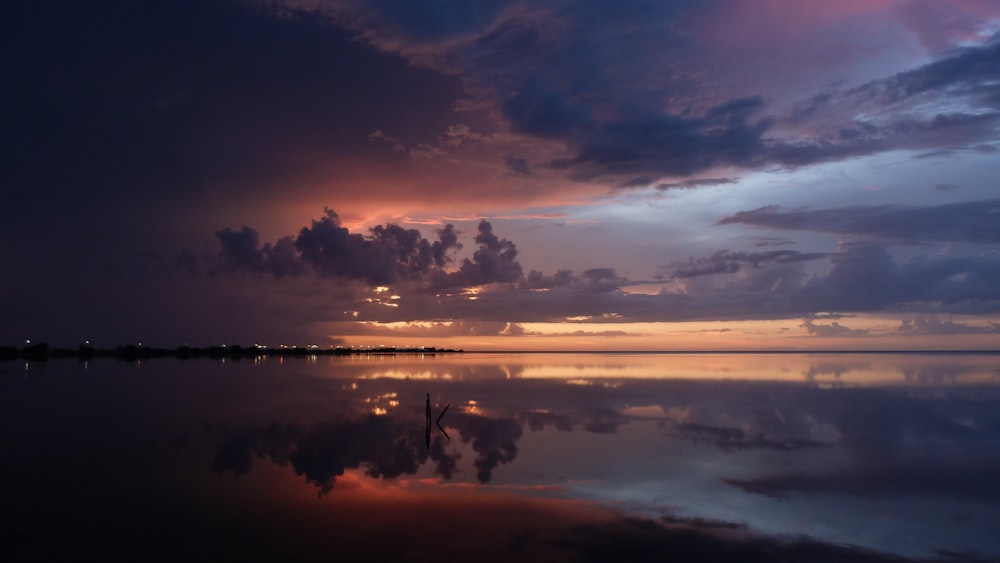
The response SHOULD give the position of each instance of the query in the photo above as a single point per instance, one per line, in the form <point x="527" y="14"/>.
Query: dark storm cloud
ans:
<point x="580" y="83"/>
<point x="537" y="110"/>
<point x="729" y="261"/>
<point x="659" y="143"/>
<point x="175" y="99"/>
<point x="971" y="71"/>
<point x="977" y="221"/>
<point x="241" y="251"/>
<point x="495" y="261"/>
<point x="388" y="254"/>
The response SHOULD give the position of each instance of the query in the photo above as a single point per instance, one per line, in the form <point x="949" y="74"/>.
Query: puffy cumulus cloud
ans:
<point x="388" y="254"/>
<point x="974" y="221"/>
<point x="494" y="261"/>
<point x="242" y="251"/>
<point x="488" y="293"/>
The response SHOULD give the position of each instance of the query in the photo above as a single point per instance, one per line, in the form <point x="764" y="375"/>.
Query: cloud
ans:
<point x="835" y="369"/>
<point x="975" y="221"/>
<point x="518" y="166"/>
<point x="387" y="255"/>
<point x="431" y="286"/>
<point x="663" y="144"/>
<point x="493" y="439"/>
<point x="865" y="277"/>
<point x="729" y="261"/>
<point x="971" y="71"/>
<point x="569" y="80"/>
<point x="903" y="478"/>
<point x="386" y="447"/>
<point x="495" y="261"/>
<point x="695" y="183"/>
<point x="241" y="251"/>
<point x="734" y="439"/>
<point x="701" y="540"/>
<point x="833" y="329"/>
<point x="935" y="326"/>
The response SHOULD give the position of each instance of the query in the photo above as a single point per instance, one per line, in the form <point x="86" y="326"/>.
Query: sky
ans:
<point x="558" y="175"/>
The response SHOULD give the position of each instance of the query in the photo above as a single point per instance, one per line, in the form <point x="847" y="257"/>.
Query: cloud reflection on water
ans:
<point x="786" y="455"/>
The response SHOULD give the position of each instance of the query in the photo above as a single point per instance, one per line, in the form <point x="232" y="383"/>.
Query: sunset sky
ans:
<point x="595" y="175"/>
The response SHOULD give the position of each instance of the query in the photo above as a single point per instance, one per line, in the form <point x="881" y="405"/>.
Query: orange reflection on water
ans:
<point x="822" y="369"/>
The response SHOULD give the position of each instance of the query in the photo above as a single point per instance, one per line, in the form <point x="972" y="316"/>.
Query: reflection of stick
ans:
<point x="438" y="422"/>
<point x="427" y="410"/>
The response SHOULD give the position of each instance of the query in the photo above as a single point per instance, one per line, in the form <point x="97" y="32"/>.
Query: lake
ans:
<point x="555" y="457"/>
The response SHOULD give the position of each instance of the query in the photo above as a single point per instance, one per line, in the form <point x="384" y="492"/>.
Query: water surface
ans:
<point x="539" y="457"/>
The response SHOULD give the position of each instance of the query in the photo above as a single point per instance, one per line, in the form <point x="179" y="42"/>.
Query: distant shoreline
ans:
<point x="738" y="352"/>
<point x="132" y="352"/>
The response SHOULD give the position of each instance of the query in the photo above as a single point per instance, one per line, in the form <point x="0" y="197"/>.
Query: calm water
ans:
<point x="542" y="457"/>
